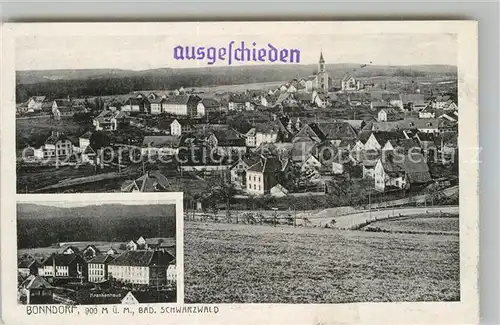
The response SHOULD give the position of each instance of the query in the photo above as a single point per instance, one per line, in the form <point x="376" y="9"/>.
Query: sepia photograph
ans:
<point x="332" y="180"/>
<point x="92" y="252"/>
<point x="324" y="168"/>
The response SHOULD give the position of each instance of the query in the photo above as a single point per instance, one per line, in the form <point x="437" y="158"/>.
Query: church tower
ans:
<point x="322" y="77"/>
<point x="321" y="66"/>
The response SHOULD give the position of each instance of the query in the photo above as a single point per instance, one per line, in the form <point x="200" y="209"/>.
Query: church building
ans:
<point x="320" y="81"/>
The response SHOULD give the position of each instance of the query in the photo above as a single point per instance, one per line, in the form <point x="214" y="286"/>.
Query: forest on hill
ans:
<point x="42" y="226"/>
<point x="82" y="83"/>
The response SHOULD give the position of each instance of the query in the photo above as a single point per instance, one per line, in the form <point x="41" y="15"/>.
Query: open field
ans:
<point x="228" y="263"/>
<point x="420" y="223"/>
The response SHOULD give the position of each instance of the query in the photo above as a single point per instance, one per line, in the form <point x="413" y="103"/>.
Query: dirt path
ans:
<point x="355" y="220"/>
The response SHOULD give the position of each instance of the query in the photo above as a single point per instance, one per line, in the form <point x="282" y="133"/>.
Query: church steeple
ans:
<point x="321" y="67"/>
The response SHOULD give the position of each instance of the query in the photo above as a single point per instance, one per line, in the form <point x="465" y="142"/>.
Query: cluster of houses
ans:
<point x="57" y="108"/>
<point x="143" y="262"/>
<point x="262" y="157"/>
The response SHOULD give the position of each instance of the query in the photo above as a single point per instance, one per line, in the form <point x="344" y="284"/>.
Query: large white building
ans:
<point x="98" y="268"/>
<point x="145" y="267"/>
<point x="183" y="105"/>
<point x="56" y="146"/>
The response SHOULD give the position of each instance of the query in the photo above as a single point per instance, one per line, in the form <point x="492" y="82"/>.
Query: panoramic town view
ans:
<point x="96" y="253"/>
<point x="322" y="182"/>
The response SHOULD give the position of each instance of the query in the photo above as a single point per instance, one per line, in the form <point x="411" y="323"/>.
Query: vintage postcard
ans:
<point x="86" y="251"/>
<point x="240" y="172"/>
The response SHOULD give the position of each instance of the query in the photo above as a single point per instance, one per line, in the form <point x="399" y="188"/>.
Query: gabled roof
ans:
<point x="38" y="98"/>
<point x="61" y="259"/>
<point x="152" y="181"/>
<point x="267" y="165"/>
<point x="61" y="103"/>
<point x="364" y="135"/>
<point x="444" y="98"/>
<point x="346" y="77"/>
<point x="405" y="144"/>
<point x="356" y="124"/>
<point x="415" y="99"/>
<point x="143" y="258"/>
<point x="89" y="151"/>
<point x="422" y="136"/>
<point x="101" y="259"/>
<point x="86" y="135"/>
<point x="106" y="116"/>
<point x="407" y="124"/>
<point x="269" y="127"/>
<point x="183" y="122"/>
<point x="413" y="165"/>
<point x="383" y="136"/>
<point x="228" y="137"/>
<point x="36" y="282"/>
<point x="161" y="141"/>
<point x="55" y="137"/>
<point x="391" y="96"/>
<point x="27" y="263"/>
<point x="210" y="103"/>
<point x="73" y="248"/>
<point x="178" y="100"/>
<point x="282" y="97"/>
<point x="335" y="130"/>
<point x="157" y="100"/>
<point x="389" y="111"/>
<point x="447" y="138"/>
<point x="94" y="247"/>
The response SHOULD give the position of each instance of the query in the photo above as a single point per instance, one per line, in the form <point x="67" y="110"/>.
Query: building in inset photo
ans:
<point x="79" y="251"/>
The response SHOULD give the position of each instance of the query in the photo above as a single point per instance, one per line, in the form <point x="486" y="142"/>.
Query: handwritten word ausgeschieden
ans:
<point x="237" y="53"/>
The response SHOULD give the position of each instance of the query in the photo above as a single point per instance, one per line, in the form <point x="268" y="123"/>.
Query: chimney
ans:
<point x="290" y="126"/>
<point x="55" y="133"/>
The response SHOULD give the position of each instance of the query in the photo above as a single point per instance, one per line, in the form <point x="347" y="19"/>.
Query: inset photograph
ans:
<point x="116" y="250"/>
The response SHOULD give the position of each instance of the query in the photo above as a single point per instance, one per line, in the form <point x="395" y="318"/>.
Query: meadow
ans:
<point x="423" y="224"/>
<point x="34" y="131"/>
<point x="229" y="263"/>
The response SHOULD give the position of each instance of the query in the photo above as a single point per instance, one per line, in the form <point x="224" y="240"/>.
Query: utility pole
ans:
<point x="370" y="203"/>
<point x="294" y="216"/>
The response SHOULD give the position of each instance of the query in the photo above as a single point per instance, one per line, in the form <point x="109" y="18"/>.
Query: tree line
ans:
<point x="44" y="232"/>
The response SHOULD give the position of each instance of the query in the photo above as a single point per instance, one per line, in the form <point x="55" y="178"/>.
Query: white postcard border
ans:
<point x="464" y="312"/>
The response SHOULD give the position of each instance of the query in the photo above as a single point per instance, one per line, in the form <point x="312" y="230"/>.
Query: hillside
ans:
<point x="41" y="226"/>
<point x="271" y="72"/>
<point x="80" y="83"/>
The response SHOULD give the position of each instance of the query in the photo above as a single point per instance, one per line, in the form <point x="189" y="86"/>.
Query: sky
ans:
<point x="151" y="52"/>
<point x="76" y="203"/>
